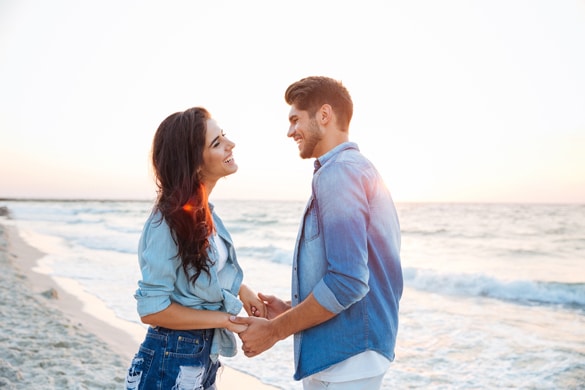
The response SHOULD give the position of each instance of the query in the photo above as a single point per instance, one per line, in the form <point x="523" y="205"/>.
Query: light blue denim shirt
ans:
<point x="348" y="255"/>
<point x="164" y="281"/>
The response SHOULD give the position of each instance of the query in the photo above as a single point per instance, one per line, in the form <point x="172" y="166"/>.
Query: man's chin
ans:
<point x="304" y="154"/>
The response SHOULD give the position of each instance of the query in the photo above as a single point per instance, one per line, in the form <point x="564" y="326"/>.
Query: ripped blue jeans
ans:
<point x="173" y="359"/>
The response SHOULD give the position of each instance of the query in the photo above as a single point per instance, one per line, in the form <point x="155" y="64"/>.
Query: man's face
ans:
<point x="305" y="131"/>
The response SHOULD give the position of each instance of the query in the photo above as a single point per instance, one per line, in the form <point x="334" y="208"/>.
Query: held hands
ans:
<point x="274" y="306"/>
<point x="236" y="328"/>
<point x="252" y="304"/>
<point x="260" y="333"/>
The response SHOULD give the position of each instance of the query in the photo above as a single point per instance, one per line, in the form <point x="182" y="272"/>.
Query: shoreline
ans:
<point x="73" y="314"/>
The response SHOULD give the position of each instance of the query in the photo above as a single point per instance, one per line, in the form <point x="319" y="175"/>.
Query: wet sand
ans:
<point x="53" y="335"/>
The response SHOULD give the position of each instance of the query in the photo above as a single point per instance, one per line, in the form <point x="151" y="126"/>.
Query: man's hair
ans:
<point x="310" y="93"/>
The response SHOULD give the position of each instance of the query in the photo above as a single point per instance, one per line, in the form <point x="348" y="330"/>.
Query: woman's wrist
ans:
<point x="244" y="289"/>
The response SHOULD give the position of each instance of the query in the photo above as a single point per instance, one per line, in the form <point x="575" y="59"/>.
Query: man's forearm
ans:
<point x="305" y="315"/>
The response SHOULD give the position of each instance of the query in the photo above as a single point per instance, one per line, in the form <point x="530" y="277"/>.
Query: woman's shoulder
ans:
<point x="155" y="224"/>
<point x="156" y="237"/>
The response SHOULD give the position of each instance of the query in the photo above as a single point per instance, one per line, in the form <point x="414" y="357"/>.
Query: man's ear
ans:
<point x="325" y="114"/>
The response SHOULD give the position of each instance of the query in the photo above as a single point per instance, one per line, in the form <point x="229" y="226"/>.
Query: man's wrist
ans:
<point x="280" y="330"/>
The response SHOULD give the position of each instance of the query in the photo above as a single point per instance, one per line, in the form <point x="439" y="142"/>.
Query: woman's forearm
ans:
<point x="179" y="317"/>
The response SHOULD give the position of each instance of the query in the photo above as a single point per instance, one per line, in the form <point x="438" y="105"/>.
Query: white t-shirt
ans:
<point x="222" y="253"/>
<point x="363" y="365"/>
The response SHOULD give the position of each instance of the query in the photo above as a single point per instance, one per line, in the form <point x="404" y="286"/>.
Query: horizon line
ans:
<point x="59" y="199"/>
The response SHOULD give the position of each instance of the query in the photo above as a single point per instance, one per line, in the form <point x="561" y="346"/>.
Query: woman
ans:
<point x="190" y="274"/>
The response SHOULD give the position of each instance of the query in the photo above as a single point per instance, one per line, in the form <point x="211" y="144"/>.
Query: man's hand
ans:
<point x="263" y="333"/>
<point x="258" y="337"/>
<point x="274" y="306"/>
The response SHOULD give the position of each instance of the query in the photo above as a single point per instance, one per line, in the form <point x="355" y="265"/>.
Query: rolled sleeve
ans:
<point x="326" y="298"/>
<point x="344" y="216"/>
<point x="158" y="264"/>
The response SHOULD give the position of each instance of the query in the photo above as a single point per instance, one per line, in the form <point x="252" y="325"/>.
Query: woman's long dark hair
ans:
<point x="177" y="155"/>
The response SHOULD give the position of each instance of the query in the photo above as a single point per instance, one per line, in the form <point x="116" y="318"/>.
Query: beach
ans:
<point x="494" y="294"/>
<point x="52" y="339"/>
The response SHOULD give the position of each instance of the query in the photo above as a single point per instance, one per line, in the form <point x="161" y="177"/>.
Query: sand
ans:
<point x="55" y="336"/>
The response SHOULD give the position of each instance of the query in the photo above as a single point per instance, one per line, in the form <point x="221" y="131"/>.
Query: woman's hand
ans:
<point x="252" y="304"/>
<point x="236" y="328"/>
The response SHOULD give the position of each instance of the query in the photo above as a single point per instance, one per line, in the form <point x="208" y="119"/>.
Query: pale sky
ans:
<point x="475" y="101"/>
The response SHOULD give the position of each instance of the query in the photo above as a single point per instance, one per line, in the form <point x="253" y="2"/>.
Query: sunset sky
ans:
<point x="475" y="101"/>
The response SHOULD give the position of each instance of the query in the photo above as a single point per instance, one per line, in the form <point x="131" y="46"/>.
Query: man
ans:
<point x="346" y="276"/>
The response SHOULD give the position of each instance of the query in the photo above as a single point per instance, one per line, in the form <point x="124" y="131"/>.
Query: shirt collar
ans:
<point x="320" y="161"/>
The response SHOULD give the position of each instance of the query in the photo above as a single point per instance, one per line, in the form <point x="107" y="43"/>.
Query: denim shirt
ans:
<point x="164" y="281"/>
<point x="347" y="254"/>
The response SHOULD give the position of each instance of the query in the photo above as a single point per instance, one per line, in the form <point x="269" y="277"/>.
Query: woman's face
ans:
<point x="218" y="160"/>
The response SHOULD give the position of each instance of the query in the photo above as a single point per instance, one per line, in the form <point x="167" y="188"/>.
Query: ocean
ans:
<point x="494" y="294"/>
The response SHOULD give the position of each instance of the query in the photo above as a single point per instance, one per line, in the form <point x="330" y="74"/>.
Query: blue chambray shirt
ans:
<point x="164" y="281"/>
<point x="348" y="255"/>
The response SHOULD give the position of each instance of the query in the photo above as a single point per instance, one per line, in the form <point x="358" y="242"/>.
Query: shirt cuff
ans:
<point x="151" y="305"/>
<point x="326" y="298"/>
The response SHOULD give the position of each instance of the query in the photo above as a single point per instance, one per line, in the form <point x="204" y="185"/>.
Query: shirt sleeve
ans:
<point x="158" y="264"/>
<point x="343" y="212"/>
